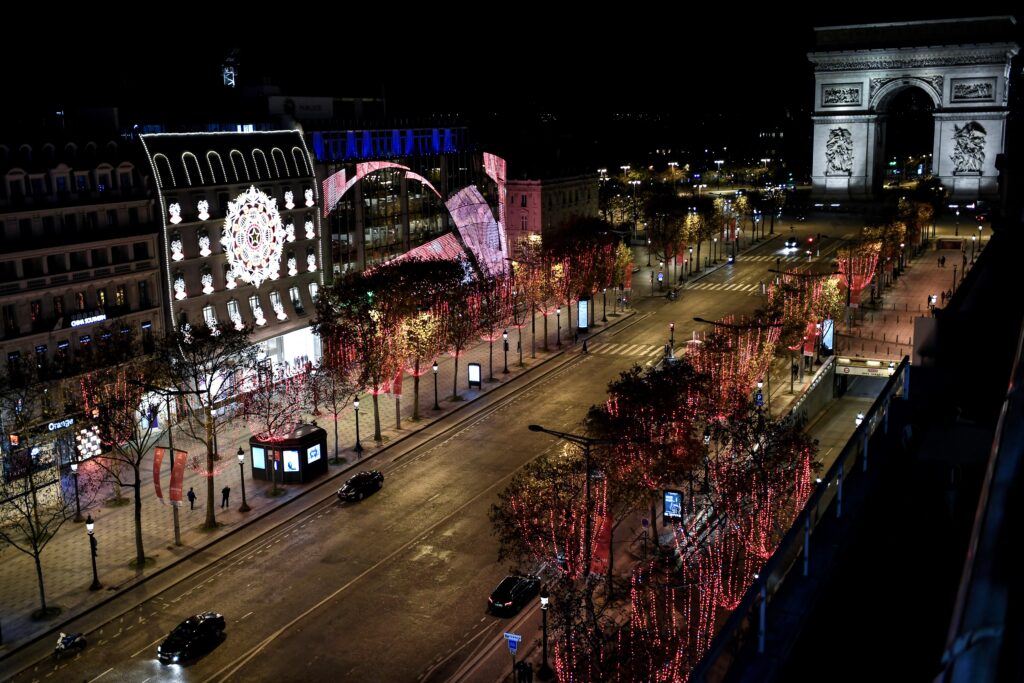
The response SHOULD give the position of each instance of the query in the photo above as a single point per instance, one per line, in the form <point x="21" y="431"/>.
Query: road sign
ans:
<point x="759" y="397"/>
<point x="513" y="642"/>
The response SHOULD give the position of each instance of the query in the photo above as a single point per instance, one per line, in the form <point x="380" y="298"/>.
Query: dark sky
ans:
<point x="717" y="56"/>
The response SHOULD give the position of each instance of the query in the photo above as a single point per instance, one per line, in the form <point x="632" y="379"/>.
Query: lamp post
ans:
<point x="586" y="442"/>
<point x="672" y="334"/>
<point x="436" y="406"/>
<point x="719" y="163"/>
<point x="648" y="252"/>
<point x="544" y="673"/>
<point x="78" y="507"/>
<point x="604" y="298"/>
<point x="355" y="404"/>
<point x="241" y="477"/>
<point x="979" y="237"/>
<point x="558" y="326"/>
<point x="689" y="266"/>
<point x="973" y="240"/>
<point x="634" y="183"/>
<point x="956" y="230"/>
<point x="89" y="527"/>
<point x="504" y="337"/>
<point x="714" y="250"/>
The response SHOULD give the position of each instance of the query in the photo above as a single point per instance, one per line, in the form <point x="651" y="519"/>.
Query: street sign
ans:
<point x="759" y="397"/>
<point x="513" y="642"/>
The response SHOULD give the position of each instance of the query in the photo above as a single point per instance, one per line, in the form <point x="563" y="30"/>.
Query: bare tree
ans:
<point x="332" y="384"/>
<point x="205" y="366"/>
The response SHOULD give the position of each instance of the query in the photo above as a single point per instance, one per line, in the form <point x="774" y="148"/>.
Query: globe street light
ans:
<point x="648" y="252"/>
<point x="241" y="477"/>
<point x="504" y="336"/>
<point x="604" y="297"/>
<point x="979" y="237"/>
<point x="973" y="240"/>
<point x="544" y="673"/>
<point x="436" y="406"/>
<point x="78" y="507"/>
<point x="89" y="527"/>
<point x="672" y="334"/>
<point x="558" y="326"/>
<point x="355" y="404"/>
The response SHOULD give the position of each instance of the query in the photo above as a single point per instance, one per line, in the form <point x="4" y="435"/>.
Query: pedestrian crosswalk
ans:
<point x="631" y="350"/>
<point x="726" y="287"/>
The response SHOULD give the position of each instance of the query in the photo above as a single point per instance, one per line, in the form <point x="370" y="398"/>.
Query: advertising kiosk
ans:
<point x="296" y="459"/>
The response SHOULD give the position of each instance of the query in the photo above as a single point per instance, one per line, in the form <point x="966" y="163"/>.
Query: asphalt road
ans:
<point x="393" y="588"/>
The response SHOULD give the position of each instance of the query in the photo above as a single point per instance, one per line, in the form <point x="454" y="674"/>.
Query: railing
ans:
<point x="748" y="619"/>
<point x="983" y="639"/>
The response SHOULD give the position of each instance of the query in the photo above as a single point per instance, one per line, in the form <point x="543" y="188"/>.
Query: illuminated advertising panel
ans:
<point x="291" y="461"/>
<point x="259" y="460"/>
<point x="313" y="454"/>
<point x="673" y="505"/>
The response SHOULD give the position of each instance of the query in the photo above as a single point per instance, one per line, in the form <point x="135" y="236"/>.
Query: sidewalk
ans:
<point x="67" y="570"/>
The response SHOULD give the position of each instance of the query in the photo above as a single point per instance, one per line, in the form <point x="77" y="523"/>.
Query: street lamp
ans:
<point x="78" y="507"/>
<point x="604" y="299"/>
<point x="690" y="264"/>
<point x="973" y="240"/>
<point x="436" y="406"/>
<point x="241" y="477"/>
<point x="979" y="237"/>
<point x="586" y="442"/>
<point x="558" y="326"/>
<point x="672" y="334"/>
<point x="956" y="230"/>
<point x="719" y="162"/>
<point x="89" y="527"/>
<point x="714" y="250"/>
<point x="648" y="252"/>
<point x="634" y="183"/>
<point x="504" y="337"/>
<point x="355" y="404"/>
<point x="544" y="673"/>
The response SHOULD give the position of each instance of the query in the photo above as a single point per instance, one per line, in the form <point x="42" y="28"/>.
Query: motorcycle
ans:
<point x="69" y="643"/>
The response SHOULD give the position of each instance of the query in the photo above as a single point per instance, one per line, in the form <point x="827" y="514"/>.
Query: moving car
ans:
<point x="361" y="485"/>
<point x="791" y="243"/>
<point x="514" y="591"/>
<point x="195" y="636"/>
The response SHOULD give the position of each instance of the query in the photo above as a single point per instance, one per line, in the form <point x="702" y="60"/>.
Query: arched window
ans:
<point x="256" y="163"/>
<point x="297" y="156"/>
<point x="280" y="162"/>
<point x="236" y="159"/>
<point x="164" y="171"/>
<point x="185" y="157"/>
<point x="220" y="164"/>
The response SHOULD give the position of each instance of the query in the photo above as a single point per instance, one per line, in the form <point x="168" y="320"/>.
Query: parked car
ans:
<point x="361" y="485"/>
<point x="512" y="594"/>
<point x="195" y="636"/>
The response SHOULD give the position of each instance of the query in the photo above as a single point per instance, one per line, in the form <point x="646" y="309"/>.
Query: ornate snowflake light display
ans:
<point x="207" y="282"/>
<point x="309" y="230"/>
<point x="176" y="248"/>
<point x="289" y="200"/>
<point x="253" y="237"/>
<point x="175" y="211"/>
<point x="309" y="196"/>
<point x="257" y="313"/>
<point x="289" y="231"/>
<point x="311" y="261"/>
<point x="203" y="208"/>
<point x="204" y="244"/>
<point x="179" y="287"/>
<point x="292" y="263"/>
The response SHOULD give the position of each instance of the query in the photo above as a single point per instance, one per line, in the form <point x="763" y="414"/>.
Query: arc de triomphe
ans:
<point x="963" y="65"/>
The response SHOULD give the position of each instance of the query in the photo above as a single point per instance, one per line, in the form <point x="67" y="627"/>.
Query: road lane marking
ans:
<point x="245" y="615"/>
<point x="102" y="674"/>
<point x="230" y="669"/>
<point x="147" y="647"/>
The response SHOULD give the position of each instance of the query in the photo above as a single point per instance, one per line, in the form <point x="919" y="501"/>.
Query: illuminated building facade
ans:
<point x="385" y="192"/>
<point x="79" y="254"/>
<point x="240" y="235"/>
<point x="536" y="206"/>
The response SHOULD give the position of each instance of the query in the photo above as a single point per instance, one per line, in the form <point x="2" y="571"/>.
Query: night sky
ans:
<point x="547" y="61"/>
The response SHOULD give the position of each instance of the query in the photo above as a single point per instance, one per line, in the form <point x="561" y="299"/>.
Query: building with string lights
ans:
<point x="240" y="237"/>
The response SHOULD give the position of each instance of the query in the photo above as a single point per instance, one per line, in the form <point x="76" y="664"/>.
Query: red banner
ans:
<point x="158" y="459"/>
<point x="178" y="475"/>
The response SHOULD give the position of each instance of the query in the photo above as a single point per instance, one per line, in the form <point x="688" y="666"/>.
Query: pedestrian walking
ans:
<point x="585" y="346"/>
<point x="943" y="261"/>
<point x="938" y="262"/>
<point x="224" y="493"/>
<point x="191" y="495"/>
<point x="575" y="338"/>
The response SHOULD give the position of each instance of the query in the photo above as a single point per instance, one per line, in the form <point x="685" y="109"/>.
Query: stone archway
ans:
<point x="963" y="66"/>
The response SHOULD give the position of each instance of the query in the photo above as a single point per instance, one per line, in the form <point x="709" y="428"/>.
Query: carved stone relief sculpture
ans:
<point x="968" y="148"/>
<point x="839" y="152"/>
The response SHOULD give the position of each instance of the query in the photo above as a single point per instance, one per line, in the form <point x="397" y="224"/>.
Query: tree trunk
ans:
<point x="533" y="328"/>
<point x="39" y="577"/>
<point x="211" y="518"/>
<point x="337" y="458"/>
<point x="398" y="411"/>
<point x="520" y="347"/>
<point x="140" y="553"/>
<point x="416" y="391"/>
<point x="376" y="421"/>
<point x="455" y="378"/>
<point x="490" y="357"/>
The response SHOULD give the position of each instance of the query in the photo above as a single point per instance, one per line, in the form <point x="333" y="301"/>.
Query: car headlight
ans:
<point x="175" y="658"/>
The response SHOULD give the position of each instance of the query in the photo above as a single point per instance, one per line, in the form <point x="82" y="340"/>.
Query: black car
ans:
<point x="195" y="636"/>
<point x="791" y="243"/>
<point x="513" y="593"/>
<point x="361" y="485"/>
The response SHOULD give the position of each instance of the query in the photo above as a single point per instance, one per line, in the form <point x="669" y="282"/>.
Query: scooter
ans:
<point x="69" y="644"/>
